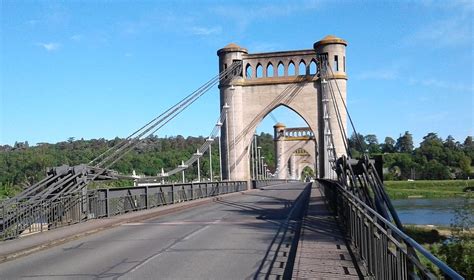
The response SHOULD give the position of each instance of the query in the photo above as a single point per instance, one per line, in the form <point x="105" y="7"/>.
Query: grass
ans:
<point x="427" y="188"/>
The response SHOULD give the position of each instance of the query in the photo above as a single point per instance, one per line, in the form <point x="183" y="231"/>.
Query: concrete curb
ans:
<point x="16" y="248"/>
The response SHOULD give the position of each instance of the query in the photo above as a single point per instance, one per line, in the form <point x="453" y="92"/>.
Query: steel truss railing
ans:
<point x="37" y="215"/>
<point x="385" y="251"/>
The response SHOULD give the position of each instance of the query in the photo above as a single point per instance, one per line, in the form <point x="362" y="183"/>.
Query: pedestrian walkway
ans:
<point x="322" y="252"/>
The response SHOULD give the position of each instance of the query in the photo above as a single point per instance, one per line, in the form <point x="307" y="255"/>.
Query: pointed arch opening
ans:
<point x="259" y="71"/>
<point x="291" y="68"/>
<point x="270" y="70"/>
<point x="280" y="69"/>
<point x="268" y="160"/>
<point x="313" y="69"/>
<point x="248" y="71"/>
<point x="302" y="68"/>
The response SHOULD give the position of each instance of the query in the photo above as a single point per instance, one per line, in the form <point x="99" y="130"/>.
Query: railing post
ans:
<point x="172" y="193"/>
<point x="147" y="204"/>
<point x="107" y="203"/>
<point x="4" y="220"/>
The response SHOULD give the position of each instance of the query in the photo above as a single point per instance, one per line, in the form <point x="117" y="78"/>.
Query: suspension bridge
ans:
<point x="251" y="223"/>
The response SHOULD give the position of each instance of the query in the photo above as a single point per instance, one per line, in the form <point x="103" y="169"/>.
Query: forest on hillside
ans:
<point x="22" y="165"/>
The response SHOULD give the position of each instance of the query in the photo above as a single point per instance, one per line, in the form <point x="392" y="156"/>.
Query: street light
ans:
<point x="254" y="159"/>
<point x="261" y="166"/>
<point x="258" y="161"/>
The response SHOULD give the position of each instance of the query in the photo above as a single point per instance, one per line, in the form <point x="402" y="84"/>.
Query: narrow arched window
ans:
<point x="291" y="69"/>
<point x="270" y="70"/>
<point x="248" y="71"/>
<point x="259" y="71"/>
<point x="281" y="69"/>
<point x="312" y="68"/>
<point x="302" y="68"/>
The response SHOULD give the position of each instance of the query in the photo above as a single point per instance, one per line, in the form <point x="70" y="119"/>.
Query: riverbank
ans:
<point x="428" y="188"/>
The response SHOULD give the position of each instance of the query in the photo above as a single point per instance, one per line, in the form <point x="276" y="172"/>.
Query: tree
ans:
<point x="434" y="170"/>
<point x="405" y="143"/>
<point x="389" y="145"/>
<point x="465" y="165"/>
<point x="431" y="147"/>
<point x="372" y="144"/>
<point x="468" y="148"/>
<point x="357" y="144"/>
<point x="400" y="165"/>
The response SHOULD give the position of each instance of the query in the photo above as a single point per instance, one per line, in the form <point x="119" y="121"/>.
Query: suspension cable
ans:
<point x="347" y="111"/>
<point x="131" y="141"/>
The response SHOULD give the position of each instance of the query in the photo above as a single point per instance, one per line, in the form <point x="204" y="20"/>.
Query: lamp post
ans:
<point x="258" y="161"/>
<point x="254" y="161"/>
<point x="251" y="159"/>
<point x="184" y="166"/>
<point x="261" y="166"/>
<point x="226" y="108"/>
<point x="198" y="154"/>
<point x="210" y="140"/>
<point x="219" y="124"/>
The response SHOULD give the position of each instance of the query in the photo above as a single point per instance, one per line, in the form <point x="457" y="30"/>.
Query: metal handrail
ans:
<point x="365" y="209"/>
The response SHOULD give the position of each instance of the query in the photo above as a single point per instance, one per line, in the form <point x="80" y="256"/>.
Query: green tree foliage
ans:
<point x="22" y="165"/>
<point x="404" y="143"/>
<point x="357" y="144"/>
<point x="388" y="145"/>
<point x="434" y="159"/>
<point x="458" y="253"/>
<point x="373" y="146"/>
<point x="307" y="173"/>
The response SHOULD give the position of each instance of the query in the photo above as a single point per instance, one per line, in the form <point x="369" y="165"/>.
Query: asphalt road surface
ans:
<point x="228" y="239"/>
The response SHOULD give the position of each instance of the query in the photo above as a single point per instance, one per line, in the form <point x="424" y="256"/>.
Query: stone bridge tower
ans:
<point x="270" y="80"/>
<point x="295" y="148"/>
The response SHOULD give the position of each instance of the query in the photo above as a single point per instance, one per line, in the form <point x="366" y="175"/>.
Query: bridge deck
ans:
<point x="239" y="237"/>
<point x="322" y="252"/>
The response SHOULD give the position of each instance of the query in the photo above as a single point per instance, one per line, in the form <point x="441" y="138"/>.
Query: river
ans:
<point x="423" y="211"/>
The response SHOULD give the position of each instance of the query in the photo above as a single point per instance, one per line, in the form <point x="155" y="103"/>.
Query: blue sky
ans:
<point x="91" y="69"/>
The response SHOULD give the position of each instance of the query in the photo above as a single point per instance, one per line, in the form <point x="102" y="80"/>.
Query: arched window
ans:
<point x="248" y="71"/>
<point x="291" y="69"/>
<point x="281" y="69"/>
<point x="259" y="70"/>
<point x="312" y="68"/>
<point x="302" y="68"/>
<point x="270" y="70"/>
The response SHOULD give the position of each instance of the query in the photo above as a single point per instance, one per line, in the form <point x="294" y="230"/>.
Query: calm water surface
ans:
<point x="423" y="211"/>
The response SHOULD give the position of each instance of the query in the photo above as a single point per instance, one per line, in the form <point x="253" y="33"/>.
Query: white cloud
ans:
<point x="436" y="83"/>
<point x="76" y="37"/>
<point x="32" y="22"/>
<point x="381" y="74"/>
<point x="50" y="47"/>
<point x="206" y="31"/>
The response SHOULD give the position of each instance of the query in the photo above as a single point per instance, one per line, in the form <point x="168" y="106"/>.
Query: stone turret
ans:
<point x="336" y="78"/>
